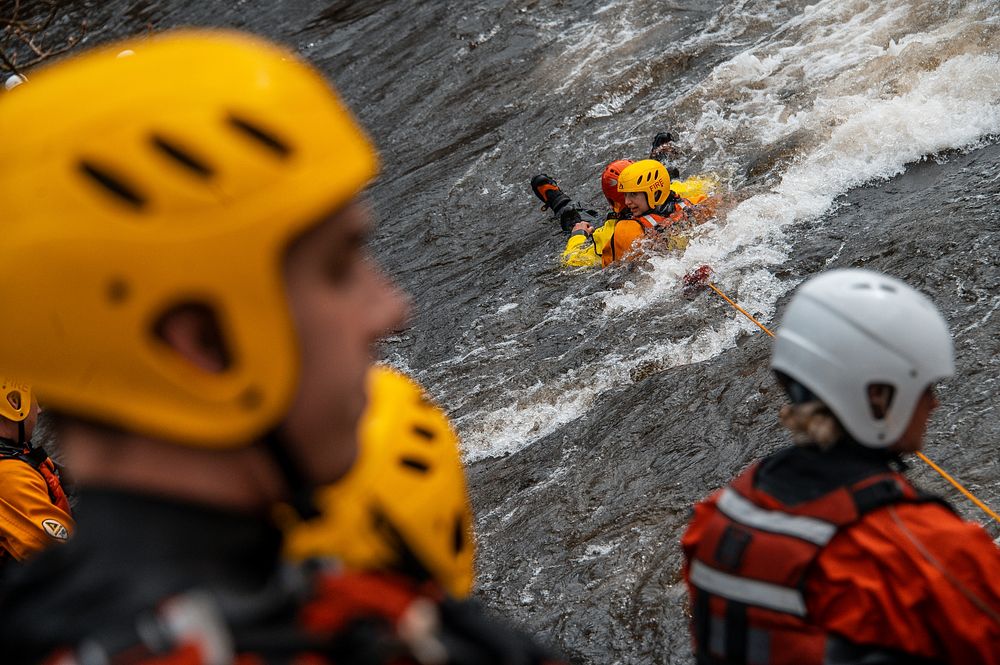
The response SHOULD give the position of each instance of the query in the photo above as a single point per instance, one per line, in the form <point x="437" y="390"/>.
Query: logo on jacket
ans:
<point x="55" y="529"/>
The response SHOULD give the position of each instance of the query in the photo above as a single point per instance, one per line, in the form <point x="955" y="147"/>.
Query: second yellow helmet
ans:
<point x="405" y="501"/>
<point x="15" y="399"/>
<point x="649" y="176"/>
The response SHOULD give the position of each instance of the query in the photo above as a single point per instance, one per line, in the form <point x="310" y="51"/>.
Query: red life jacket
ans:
<point x="749" y="565"/>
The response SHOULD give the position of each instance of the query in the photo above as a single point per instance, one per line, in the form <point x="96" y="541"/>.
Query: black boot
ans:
<point x="548" y="191"/>
<point x="555" y="200"/>
<point x="662" y="139"/>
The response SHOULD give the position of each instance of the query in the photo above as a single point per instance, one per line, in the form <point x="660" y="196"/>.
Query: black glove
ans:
<point x="661" y="139"/>
<point x="568" y="218"/>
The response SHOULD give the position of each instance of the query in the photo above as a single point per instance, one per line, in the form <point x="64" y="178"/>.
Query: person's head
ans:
<point x="866" y="349"/>
<point x="645" y="185"/>
<point x="194" y="247"/>
<point x="609" y="183"/>
<point x="18" y="410"/>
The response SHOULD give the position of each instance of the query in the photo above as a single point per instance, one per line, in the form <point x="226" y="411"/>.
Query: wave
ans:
<point x="803" y="104"/>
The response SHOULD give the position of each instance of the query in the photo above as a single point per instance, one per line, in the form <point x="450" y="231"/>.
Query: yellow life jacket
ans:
<point x="585" y="250"/>
<point x="695" y="189"/>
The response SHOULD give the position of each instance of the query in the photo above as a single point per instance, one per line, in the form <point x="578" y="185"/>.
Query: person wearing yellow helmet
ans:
<point x="34" y="511"/>
<point x="657" y="211"/>
<point x="591" y="244"/>
<point x="404" y="505"/>
<point x="201" y="319"/>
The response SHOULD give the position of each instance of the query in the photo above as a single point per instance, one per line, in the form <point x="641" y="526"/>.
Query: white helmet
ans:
<point x="845" y="330"/>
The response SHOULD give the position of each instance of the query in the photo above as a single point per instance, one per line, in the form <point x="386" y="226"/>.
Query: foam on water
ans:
<point x="856" y="89"/>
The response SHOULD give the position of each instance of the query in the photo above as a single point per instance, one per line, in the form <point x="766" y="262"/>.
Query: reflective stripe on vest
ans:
<point x="743" y="511"/>
<point x="649" y="222"/>
<point x="744" y="590"/>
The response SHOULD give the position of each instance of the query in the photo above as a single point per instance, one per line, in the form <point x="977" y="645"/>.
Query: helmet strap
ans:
<point x="301" y="491"/>
<point x="10" y="446"/>
<point x="797" y="393"/>
<point x="667" y="207"/>
<point x="21" y="437"/>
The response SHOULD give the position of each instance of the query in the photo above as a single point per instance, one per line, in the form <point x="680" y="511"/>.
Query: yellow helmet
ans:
<point x="15" y="399"/>
<point x="647" y="175"/>
<point x="405" y="497"/>
<point x="178" y="175"/>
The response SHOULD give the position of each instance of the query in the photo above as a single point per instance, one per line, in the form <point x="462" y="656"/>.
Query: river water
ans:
<point x="596" y="406"/>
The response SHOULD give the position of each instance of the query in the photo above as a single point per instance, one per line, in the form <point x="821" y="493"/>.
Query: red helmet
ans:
<point x="609" y="183"/>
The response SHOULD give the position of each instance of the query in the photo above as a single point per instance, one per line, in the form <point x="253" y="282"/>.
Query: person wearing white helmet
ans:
<point x="824" y="552"/>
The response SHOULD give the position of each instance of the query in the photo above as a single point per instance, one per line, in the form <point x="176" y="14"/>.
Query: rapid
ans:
<point x="596" y="406"/>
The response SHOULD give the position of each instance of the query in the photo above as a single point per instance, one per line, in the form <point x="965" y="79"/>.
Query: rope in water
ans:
<point x="982" y="506"/>
<point x="740" y="309"/>
<point x="958" y="486"/>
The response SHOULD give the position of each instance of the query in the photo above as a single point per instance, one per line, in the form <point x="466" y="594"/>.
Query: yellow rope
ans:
<point x="967" y="493"/>
<point x="743" y="311"/>
<point x="923" y="457"/>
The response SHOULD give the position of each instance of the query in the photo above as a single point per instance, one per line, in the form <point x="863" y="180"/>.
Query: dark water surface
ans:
<point x="596" y="407"/>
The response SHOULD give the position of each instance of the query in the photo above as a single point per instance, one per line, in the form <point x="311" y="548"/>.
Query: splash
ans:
<point x="817" y="103"/>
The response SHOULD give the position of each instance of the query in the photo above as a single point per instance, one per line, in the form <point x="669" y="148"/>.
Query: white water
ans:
<point x="864" y="88"/>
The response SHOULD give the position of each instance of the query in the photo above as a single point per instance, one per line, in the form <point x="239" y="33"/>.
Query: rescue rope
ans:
<point x="967" y="493"/>
<point x="982" y="506"/>
<point x="740" y="309"/>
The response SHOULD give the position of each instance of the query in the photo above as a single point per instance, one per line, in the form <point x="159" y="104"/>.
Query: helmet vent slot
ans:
<point x="415" y="464"/>
<point x="458" y="535"/>
<point x="113" y="184"/>
<point x="261" y="136"/>
<point x="424" y="432"/>
<point x="183" y="157"/>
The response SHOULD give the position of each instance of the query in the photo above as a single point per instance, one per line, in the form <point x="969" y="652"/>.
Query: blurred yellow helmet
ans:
<point x="649" y="176"/>
<point x="15" y="399"/>
<point x="405" y="500"/>
<point x="179" y="175"/>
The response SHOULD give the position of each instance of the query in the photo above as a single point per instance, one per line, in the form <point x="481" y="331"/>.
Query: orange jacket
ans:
<point x="815" y="550"/>
<point x="672" y="222"/>
<point x="913" y="577"/>
<point x="29" y="519"/>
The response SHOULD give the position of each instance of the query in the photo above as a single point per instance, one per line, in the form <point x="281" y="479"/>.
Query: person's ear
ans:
<point x="192" y="330"/>
<point x="880" y="399"/>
